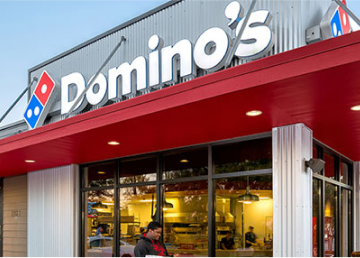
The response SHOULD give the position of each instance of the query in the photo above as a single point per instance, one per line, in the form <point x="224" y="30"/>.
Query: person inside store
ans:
<point x="149" y="243"/>
<point x="251" y="239"/>
<point x="227" y="243"/>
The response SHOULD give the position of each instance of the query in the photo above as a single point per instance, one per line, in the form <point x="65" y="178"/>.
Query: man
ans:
<point x="149" y="243"/>
<point x="227" y="243"/>
<point x="251" y="239"/>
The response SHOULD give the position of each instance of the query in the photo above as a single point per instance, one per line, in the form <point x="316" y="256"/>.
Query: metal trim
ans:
<point x="259" y="172"/>
<point x="332" y="181"/>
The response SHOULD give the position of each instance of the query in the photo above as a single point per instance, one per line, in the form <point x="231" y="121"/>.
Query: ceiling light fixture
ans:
<point x="184" y="161"/>
<point x="101" y="172"/>
<point x="355" y="108"/>
<point x="114" y="143"/>
<point x="29" y="161"/>
<point x="254" y="113"/>
<point x="248" y="198"/>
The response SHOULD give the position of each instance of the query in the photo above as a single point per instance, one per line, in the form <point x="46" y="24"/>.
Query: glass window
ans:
<point x="138" y="170"/>
<point x="186" y="220"/>
<point x="101" y="174"/>
<point x="344" y="173"/>
<point x="243" y="156"/>
<point x="137" y="208"/>
<point x="186" y="164"/>
<point x="99" y="223"/>
<point x="331" y="208"/>
<point x="244" y="216"/>
<point x="346" y="211"/>
<point x="316" y="217"/>
<point x="329" y="166"/>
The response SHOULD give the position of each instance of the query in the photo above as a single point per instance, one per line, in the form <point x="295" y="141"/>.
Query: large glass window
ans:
<point x="330" y="234"/>
<point x="137" y="210"/>
<point x="316" y="220"/>
<point x="332" y="205"/>
<point x="244" y="216"/>
<point x="99" y="225"/>
<point x="186" y="218"/>
<point x="121" y="197"/>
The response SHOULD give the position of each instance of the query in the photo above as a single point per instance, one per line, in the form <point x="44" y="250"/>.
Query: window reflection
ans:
<point x="99" y="225"/>
<point x="331" y="207"/>
<point x="186" y="164"/>
<point x="186" y="223"/>
<point x="244" y="227"/>
<point x="243" y="156"/>
<point x="138" y="170"/>
<point x="316" y="216"/>
<point x="101" y="174"/>
<point x="329" y="166"/>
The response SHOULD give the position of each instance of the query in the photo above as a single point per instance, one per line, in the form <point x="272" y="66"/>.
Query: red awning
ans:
<point x="315" y="85"/>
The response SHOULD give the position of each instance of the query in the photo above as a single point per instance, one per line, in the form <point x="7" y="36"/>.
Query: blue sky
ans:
<point x="32" y="32"/>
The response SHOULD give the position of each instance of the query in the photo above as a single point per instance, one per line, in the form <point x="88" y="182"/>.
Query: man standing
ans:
<point x="251" y="239"/>
<point x="149" y="243"/>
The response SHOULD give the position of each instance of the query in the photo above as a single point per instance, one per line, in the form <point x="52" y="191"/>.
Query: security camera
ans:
<point x="316" y="165"/>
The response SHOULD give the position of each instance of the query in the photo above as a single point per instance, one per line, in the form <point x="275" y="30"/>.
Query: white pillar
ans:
<point x="52" y="207"/>
<point x="292" y="191"/>
<point x="356" y="203"/>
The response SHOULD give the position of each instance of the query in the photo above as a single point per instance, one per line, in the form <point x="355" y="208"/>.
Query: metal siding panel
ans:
<point x="51" y="212"/>
<point x="292" y="191"/>
<point x="186" y="19"/>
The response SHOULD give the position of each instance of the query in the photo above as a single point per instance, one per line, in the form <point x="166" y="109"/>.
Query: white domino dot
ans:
<point x="43" y="89"/>
<point x="335" y="32"/>
<point x="36" y="111"/>
<point x="29" y="113"/>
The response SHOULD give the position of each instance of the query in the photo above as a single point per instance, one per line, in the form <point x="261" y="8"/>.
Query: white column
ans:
<point x="292" y="191"/>
<point x="52" y="207"/>
<point x="356" y="203"/>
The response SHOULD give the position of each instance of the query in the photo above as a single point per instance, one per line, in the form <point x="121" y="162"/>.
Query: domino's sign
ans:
<point x="210" y="53"/>
<point x="40" y="101"/>
<point x="335" y="22"/>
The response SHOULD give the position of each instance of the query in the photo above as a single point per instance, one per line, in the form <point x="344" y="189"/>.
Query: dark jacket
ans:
<point x="145" y="246"/>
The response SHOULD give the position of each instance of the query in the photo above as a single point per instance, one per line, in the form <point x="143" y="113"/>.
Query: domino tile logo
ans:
<point x="340" y="23"/>
<point x="39" y="104"/>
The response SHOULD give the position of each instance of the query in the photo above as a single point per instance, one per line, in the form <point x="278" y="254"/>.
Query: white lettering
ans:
<point x="133" y="77"/>
<point x="170" y="58"/>
<point x="99" y="96"/>
<point x="257" y="39"/>
<point x="211" y="49"/>
<point x="72" y="82"/>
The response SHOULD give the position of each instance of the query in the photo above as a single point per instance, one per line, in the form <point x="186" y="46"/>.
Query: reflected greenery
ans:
<point x="245" y="165"/>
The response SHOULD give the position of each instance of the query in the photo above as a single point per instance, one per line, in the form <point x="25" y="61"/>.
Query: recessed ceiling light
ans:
<point x="356" y="108"/>
<point x="254" y="113"/>
<point x="184" y="161"/>
<point x="30" y="161"/>
<point x="113" y="143"/>
<point x="101" y="172"/>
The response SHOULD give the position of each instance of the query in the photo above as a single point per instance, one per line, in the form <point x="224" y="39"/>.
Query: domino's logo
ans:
<point x="40" y="101"/>
<point x="335" y="22"/>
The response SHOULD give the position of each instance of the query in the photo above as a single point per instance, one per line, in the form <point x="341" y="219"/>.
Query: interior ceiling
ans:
<point x="315" y="85"/>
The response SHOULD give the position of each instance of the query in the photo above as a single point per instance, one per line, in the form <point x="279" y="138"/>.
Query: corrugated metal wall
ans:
<point x="52" y="212"/>
<point x="186" y="19"/>
<point x="15" y="216"/>
<point x="292" y="191"/>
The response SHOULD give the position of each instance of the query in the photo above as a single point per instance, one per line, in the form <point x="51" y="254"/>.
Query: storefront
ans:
<point x="166" y="133"/>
